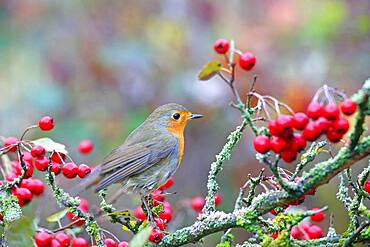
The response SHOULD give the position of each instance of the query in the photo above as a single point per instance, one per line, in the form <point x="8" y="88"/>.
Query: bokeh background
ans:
<point x="100" y="67"/>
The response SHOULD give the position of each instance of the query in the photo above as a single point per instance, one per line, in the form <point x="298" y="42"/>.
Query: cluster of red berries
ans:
<point x="198" y="202"/>
<point x="61" y="239"/>
<point x="246" y="60"/>
<point x="319" y="119"/>
<point x="164" y="217"/>
<point x="306" y="230"/>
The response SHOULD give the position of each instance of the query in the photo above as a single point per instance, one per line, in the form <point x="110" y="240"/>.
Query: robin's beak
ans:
<point x="195" y="116"/>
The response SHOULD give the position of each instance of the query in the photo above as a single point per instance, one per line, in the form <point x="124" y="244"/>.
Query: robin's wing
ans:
<point x="126" y="161"/>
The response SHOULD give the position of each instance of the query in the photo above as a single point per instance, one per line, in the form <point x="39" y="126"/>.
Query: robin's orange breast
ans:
<point x="179" y="133"/>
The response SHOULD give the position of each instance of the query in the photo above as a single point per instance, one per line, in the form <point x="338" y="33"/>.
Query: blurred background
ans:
<point x="100" y="67"/>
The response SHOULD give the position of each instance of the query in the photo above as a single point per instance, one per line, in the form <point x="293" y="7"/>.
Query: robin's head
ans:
<point x="173" y="116"/>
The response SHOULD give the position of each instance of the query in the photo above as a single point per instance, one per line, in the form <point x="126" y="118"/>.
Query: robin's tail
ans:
<point x="90" y="180"/>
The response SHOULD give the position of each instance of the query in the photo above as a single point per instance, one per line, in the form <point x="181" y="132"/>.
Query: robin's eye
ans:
<point x="176" y="116"/>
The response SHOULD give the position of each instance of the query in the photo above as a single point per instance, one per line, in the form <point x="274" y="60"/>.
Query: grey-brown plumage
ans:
<point x="151" y="153"/>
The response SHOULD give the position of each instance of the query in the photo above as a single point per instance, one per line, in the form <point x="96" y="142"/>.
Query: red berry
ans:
<point x="288" y="155"/>
<point x="314" y="232"/>
<point x="262" y="144"/>
<point x="155" y="236"/>
<point x="55" y="243"/>
<point x="167" y="205"/>
<point x="160" y="224"/>
<point x="70" y="170"/>
<point x="43" y="239"/>
<point x="37" y="151"/>
<point x="317" y="217"/>
<point x="333" y="135"/>
<point x="79" y="242"/>
<point x="11" y="142"/>
<point x="221" y="46"/>
<point x="274" y="128"/>
<point x="284" y="121"/>
<point x="300" y="120"/>
<point x="158" y="196"/>
<point x="110" y="242"/>
<point x="247" y="61"/>
<point x="17" y="168"/>
<point x="166" y="215"/>
<point x="367" y="186"/>
<point x="311" y="132"/>
<point x="167" y="184"/>
<point x="322" y="124"/>
<point x="295" y="232"/>
<point x="297" y="143"/>
<point x="24" y="196"/>
<point x="42" y="163"/>
<point x="85" y="146"/>
<point x="275" y="235"/>
<point x="348" y="107"/>
<point x="10" y="177"/>
<point x="36" y="186"/>
<point x="63" y="239"/>
<point x="58" y="157"/>
<point x="46" y="123"/>
<point x="331" y="111"/>
<point x="218" y="199"/>
<point x="341" y="125"/>
<point x="55" y="167"/>
<point x="305" y="225"/>
<point x="84" y="205"/>
<point x="197" y="203"/>
<point x="315" y="110"/>
<point x="123" y="244"/>
<point x="83" y="170"/>
<point x="277" y="144"/>
<point x="28" y="157"/>
<point x="139" y="213"/>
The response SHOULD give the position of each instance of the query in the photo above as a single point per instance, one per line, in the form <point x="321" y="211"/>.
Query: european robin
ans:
<point x="150" y="155"/>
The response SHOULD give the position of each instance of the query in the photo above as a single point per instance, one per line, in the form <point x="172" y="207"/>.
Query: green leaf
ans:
<point x="57" y="216"/>
<point x="209" y="70"/>
<point x="141" y="238"/>
<point x="50" y="145"/>
<point x="20" y="233"/>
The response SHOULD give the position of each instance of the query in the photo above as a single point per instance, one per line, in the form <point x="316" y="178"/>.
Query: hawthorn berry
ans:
<point x="139" y="213"/>
<point x="166" y="215"/>
<point x="348" y="107"/>
<point x="37" y="151"/>
<point x="305" y="225"/>
<point x="331" y="111"/>
<point x="56" y="168"/>
<point x="295" y="232"/>
<point x="367" y="186"/>
<point x="341" y="125"/>
<point x="274" y="128"/>
<point x="11" y="142"/>
<point x="158" y="196"/>
<point x="197" y="203"/>
<point x="333" y="136"/>
<point x="43" y="239"/>
<point x="322" y="124"/>
<point x="155" y="235"/>
<point x="42" y="163"/>
<point x="63" y="239"/>
<point x="70" y="170"/>
<point x="160" y="224"/>
<point x="315" y="110"/>
<point x="110" y="242"/>
<point x="79" y="242"/>
<point x="218" y="199"/>
<point x="85" y="146"/>
<point x="58" y="157"/>
<point x="277" y="144"/>
<point x="167" y="205"/>
<point x="17" y="168"/>
<point x="55" y="243"/>
<point x="311" y="132"/>
<point x="27" y="157"/>
<point x="83" y="170"/>
<point x="24" y="196"/>
<point x="297" y="143"/>
<point x="122" y="244"/>
<point x="167" y="184"/>
<point x="46" y="123"/>
<point x="221" y="46"/>
<point x="36" y="186"/>
<point x="317" y="217"/>
<point x="314" y="232"/>
<point x="300" y="120"/>
<point x="247" y="61"/>
<point x="288" y="155"/>
<point x="261" y="144"/>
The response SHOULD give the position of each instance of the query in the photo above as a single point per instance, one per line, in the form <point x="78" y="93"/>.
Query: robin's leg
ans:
<point x="144" y="199"/>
